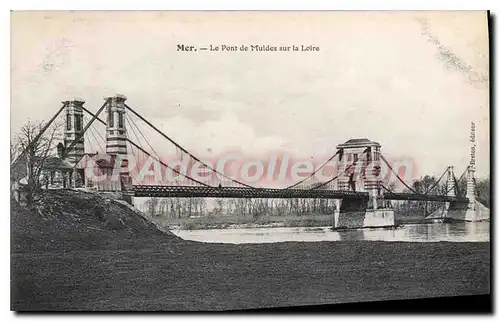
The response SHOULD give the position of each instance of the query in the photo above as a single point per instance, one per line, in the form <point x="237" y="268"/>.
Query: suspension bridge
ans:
<point x="356" y="192"/>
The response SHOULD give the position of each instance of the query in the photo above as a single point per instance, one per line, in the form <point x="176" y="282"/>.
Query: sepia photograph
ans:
<point x="214" y="161"/>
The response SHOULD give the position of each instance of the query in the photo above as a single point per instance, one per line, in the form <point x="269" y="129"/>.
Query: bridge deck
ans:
<point x="243" y="192"/>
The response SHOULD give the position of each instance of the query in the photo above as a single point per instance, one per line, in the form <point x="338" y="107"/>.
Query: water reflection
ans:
<point x="452" y="232"/>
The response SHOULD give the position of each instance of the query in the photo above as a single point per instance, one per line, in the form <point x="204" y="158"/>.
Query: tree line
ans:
<point x="194" y="206"/>
<point x="427" y="185"/>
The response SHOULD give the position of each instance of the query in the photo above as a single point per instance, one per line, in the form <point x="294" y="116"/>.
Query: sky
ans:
<point x="412" y="81"/>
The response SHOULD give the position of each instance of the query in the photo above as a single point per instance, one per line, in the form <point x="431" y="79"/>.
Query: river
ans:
<point x="436" y="232"/>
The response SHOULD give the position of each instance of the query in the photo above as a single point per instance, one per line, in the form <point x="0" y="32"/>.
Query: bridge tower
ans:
<point x="73" y="129"/>
<point x="471" y="188"/>
<point x="116" y="145"/>
<point x="116" y="133"/>
<point x="450" y="182"/>
<point x="360" y="165"/>
<point x="470" y="211"/>
<point x="450" y="191"/>
<point x="372" y="178"/>
<point x="73" y="149"/>
<point x="354" y="156"/>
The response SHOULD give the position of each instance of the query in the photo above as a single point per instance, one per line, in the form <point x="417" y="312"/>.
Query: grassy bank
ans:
<point x="67" y="220"/>
<point x="193" y="276"/>
<point x="85" y="253"/>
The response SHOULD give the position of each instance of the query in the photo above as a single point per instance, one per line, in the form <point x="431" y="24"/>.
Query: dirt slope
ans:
<point x="67" y="220"/>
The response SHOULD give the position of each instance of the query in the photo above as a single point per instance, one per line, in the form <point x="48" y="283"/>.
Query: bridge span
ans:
<point x="360" y="200"/>
<point x="244" y="192"/>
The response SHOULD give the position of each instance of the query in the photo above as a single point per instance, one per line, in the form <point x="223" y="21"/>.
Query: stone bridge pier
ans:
<point x="354" y="213"/>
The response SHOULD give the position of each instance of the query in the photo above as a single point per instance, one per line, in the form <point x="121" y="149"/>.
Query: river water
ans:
<point x="436" y="232"/>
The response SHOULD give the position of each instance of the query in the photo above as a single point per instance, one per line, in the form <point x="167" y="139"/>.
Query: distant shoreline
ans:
<point x="238" y="222"/>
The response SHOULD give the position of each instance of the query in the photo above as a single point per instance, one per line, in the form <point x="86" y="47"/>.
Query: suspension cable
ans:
<point x="129" y="121"/>
<point x="99" y="134"/>
<point x="397" y="176"/>
<point x="79" y="136"/>
<point x="331" y="180"/>
<point x="91" y="145"/>
<point x="157" y="158"/>
<point x="184" y="150"/>
<point x="348" y="167"/>
<point x="93" y="115"/>
<point x="385" y="188"/>
<point x="92" y="132"/>
<point x="437" y="182"/>
<point x="132" y="124"/>
<point x="133" y="130"/>
<point x="38" y="136"/>
<point x="135" y="135"/>
<point x="457" y="188"/>
<point x="132" y="147"/>
<point x="162" y="163"/>
<point x="456" y="181"/>
<point x="131" y="174"/>
<point x="448" y="190"/>
<point x="95" y="129"/>
<point x="314" y="173"/>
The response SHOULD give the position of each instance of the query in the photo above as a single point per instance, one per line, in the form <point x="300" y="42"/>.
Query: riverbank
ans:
<point x="237" y="221"/>
<point x="265" y="221"/>
<point x="85" y="253"/>
<point x="195" y="276"/>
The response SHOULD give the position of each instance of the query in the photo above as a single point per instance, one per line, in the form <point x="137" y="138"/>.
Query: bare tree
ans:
<point x="34" y="144"/>
<point x="15" y="151"/>
<point x="219" y="208"/>
<point x="202" y="206"/>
